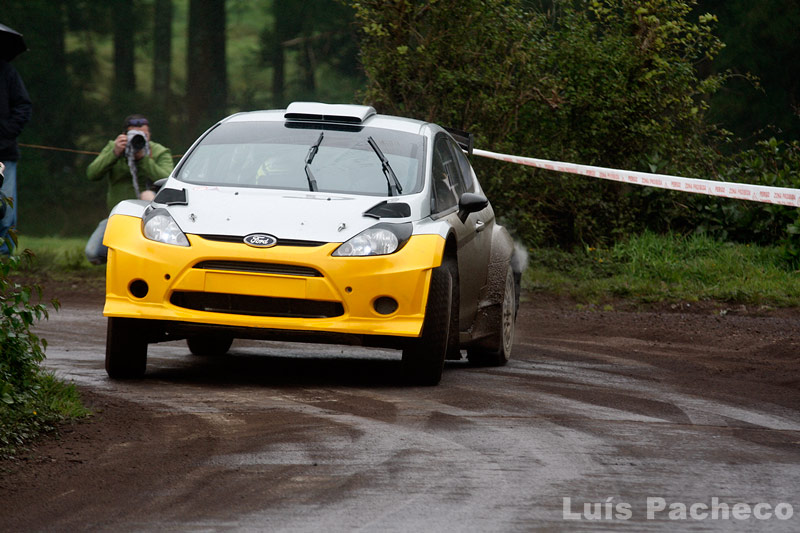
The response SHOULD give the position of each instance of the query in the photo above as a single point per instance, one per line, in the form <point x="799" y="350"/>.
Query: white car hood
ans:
<point x="311" y="216"/>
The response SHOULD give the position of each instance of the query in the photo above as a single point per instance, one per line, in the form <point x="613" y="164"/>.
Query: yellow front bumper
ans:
<point x="355" y="282"/>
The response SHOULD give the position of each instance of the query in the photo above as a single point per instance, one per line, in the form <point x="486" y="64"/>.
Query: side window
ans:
<point x="443" y="176"/>
<point x="467" y="182"/>
<point x="455" y="169"/>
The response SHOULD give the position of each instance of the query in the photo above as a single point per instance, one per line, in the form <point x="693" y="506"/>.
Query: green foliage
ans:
<point x="667" y="268"/>
<point x="607" y="82"/>
<point x="22" y="350"/>
<point x="629" y="86"/>
<point x="58" y="254"/>
<point x="468" y="64"/>
<point x="30" y="399"/>
<point x="771" y="163"/>
<point x="50" y="401"/>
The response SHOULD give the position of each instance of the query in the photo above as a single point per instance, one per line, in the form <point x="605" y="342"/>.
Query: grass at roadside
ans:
<point x="59" y="255"/>
<point x="59" y="261"/>
<point x="48" y="403"/>
<point x="651" y="268"/>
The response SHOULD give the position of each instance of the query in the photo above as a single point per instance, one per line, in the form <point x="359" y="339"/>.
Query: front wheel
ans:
<point x="126" y="348"/>
<point x="423" y="361"/>
<point x="496" y="351"/>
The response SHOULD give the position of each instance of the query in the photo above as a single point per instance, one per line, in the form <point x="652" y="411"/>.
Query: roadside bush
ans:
<point x="771" y="163"/>
<point x="603" y="82"/>
<point x="31" y="400"/>
<point x="22" y="350"/>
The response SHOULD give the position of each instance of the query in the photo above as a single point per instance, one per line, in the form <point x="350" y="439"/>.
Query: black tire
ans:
<point x="496" y="351"/>
<point x="126" y="348"/>
<point x="423" y="361"/>
<point x="453" y="341"/>
<point x="208" y="344"/>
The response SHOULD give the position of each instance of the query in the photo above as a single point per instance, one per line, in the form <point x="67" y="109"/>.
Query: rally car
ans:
<point x="317" y="223"/>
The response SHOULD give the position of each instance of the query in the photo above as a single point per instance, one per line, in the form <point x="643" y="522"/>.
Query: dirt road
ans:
<point x="603" y="420"/>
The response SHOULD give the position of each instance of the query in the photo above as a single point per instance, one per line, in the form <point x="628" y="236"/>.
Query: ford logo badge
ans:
<point x="260" y="240"/>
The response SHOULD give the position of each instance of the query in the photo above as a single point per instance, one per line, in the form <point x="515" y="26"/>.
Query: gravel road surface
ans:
<point x="679" y="419"/>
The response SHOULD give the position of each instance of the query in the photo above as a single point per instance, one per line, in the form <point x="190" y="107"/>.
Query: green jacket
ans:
<point x="115" y="170"/>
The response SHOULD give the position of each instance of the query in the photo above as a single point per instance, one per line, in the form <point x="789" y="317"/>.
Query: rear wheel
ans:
<point x="423" y="361"/>
<point x="209" y="344"/>
<point x="126" y="348"/>
<point x="497" y="349"/>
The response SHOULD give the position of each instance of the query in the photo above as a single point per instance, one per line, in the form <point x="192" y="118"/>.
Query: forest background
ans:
<point x="707" y="89"/>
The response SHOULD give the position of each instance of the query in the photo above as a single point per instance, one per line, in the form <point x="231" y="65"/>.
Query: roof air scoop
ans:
<point x="330" y="113"/>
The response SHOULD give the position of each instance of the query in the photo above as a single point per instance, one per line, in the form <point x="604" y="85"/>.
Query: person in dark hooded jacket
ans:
<point x="15" y="112"/>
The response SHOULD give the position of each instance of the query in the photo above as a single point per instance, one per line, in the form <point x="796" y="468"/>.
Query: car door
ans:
<point x="452" y="177"/>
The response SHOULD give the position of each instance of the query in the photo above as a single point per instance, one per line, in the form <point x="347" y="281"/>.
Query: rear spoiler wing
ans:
<point x="465" y="140"/>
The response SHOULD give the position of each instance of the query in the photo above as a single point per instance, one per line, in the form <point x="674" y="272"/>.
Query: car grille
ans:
<point x="239" y="304"/>
<point x="260" y="268"/>
<point x="239" y="239"/>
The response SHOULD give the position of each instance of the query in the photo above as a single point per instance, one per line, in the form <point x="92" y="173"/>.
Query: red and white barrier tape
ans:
<point x="740" y="191"/>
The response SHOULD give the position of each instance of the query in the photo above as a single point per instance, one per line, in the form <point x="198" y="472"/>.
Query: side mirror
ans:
<point x="471" y="203"/>
<point x="160" y="183"/>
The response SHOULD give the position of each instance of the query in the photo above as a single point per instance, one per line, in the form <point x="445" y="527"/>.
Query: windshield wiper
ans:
<point x="312" y="183"/>
<point x="391" y="178"/>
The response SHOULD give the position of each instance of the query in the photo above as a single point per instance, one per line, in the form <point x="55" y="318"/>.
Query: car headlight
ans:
<point x="159" y="226"/>
<point x="380" y="239"/>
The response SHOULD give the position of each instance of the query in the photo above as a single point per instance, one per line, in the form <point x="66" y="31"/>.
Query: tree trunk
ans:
<point x="207" y="81"/>
<point x="281" y="12"/>
<point x="48" y="54"/>
<point x="309" y="69"/>
<point x="124" y="87"/>
<point x="162" y="54"/>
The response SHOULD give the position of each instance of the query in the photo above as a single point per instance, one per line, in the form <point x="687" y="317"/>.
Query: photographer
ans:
<point x="131" y="163"/>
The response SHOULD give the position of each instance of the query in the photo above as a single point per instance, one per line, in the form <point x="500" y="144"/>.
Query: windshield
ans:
<point x="271" y="155"/>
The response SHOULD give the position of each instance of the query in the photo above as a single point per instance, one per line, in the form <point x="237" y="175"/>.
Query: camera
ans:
<point x="136" y="140"/>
